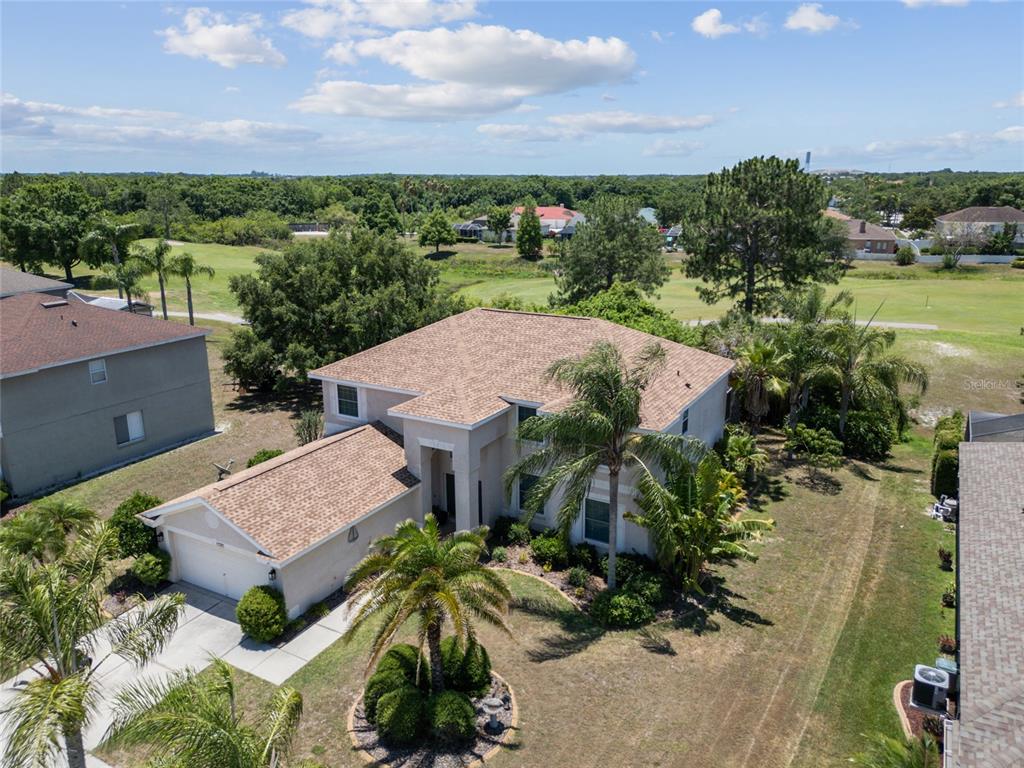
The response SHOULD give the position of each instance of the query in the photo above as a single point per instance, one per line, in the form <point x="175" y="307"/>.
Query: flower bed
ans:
<point x="484" y="746"/>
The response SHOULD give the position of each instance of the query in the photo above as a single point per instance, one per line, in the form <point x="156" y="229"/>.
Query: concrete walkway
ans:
<point x="208" y="629"/>
<point x="221" y="317"/>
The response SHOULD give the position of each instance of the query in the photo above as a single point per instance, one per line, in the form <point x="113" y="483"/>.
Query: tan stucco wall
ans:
<point x="58" y="426"/>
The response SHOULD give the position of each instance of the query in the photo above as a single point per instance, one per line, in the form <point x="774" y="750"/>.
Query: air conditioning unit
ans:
<point x="930" y="688"/>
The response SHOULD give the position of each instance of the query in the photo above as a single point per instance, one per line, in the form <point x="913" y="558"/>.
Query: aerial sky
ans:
<point x="467" y="86"/>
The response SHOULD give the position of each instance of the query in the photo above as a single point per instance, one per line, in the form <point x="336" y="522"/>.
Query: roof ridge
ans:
<point x="536" y="314"/>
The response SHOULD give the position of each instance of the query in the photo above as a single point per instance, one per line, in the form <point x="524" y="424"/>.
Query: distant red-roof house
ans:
<point x="863" y="236"/>
<point x="555" y="220"/>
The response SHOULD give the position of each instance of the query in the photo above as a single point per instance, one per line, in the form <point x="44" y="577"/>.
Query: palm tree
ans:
<point x="759" y="371"/>
<point x="858" y="360"/>
<point x="41" y="531"/>
<point x="51" y="615"/>
<point x="887" y="752"/>
<point x="184" y="265"/>
<point x="128" y="276"/>
<point x="155" y="261"/>
<point x="744" y="455"/>
<point x="808" y="312"/>
<point x="693" y="517"/>
<point x="192" y="719"/>
<point x="108" y="235"/>
<point x="597" y="429"/>
<point x="417" y="574"/>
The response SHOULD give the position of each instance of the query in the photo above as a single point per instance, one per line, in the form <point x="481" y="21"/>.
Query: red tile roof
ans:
<point x="41" y="331"/>
<point x="550" y="212"/>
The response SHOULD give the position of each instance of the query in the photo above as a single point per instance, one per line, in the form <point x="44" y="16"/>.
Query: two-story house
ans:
<point x="425" y="421"/>
<point x="83" y="389"/>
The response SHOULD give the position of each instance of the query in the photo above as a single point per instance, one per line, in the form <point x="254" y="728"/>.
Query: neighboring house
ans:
<point x="863" y="236"/>
<point x="425" y="421"/>
<point x="985" y="427"/>
<point x="475" y="228"/>
<point x="989" y="729"/>
<point x="555" y="220"/>
<point x="672" y="235"/>
<point x="83" y="389"/>
<point x="14" y="281"/>
<point x="114" y="303"/>
<point x="650" y="215"/>
<point x="980" y="221"/>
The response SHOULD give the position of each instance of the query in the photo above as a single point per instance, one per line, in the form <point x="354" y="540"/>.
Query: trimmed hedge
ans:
<point x="869" y="435"/>
<point x="945" y="471"/>
<point x="550" y="549"/>
<point x="620" y="610"/>
<point x="400" y="715"/>
<point x="467" y="670"/>
<point x="261" y="613"/>
<point x="452" y="717"/>
<point x="134" y="537"/>
<point x="404" y="658"/>
<point x="380" y="683"/>
<point x="263" y="454"/>
<point x="152" y="567"/>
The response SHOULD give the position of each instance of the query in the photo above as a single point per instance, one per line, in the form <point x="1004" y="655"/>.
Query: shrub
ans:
<point x="499" y="554"/>
<point x="947" y="644"/>
<point x="262" y="455"/>
<point x="649" y="587"/>
<point x="947" y="439"/>
<point x="152" y="567"/>
<point x="905" y="256"/>
<point x="404" y="658"/>
<point x="381" y="682"/>
<point x="551" y="550"/>
<point x="618" y="609"/>
<point x="519" y="533"/>
<point x="1018" y="263"/>
<point x="945" y="467"/>
<point x="261" y="613"/>
<point x="627" y="566"/>
<point x="466" y="669"/>
<point x="250" y="360"/>
<point x="949" y="595"/>
<point x="318" y="610"/>
<point x="869" y="435"/>
<point x="134" y="537"/>
<point x="452" y="717"/>
<point x="945" y="559"/>
<point x="950" y="261"/>
<point x="578" y="576"/>
<point x="524" y="558"/>
<point x="309" y="427"/>
<point x="400" y="715"/>
<point x="500" y="529"/>
<point x="584" y="555"/>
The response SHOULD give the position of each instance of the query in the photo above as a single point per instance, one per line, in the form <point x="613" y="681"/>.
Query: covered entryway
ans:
<point x="215" y="568"/>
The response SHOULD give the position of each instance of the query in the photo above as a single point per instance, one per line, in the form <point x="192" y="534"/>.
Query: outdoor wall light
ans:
<point x="159" y="537"/>
<point x="353" y="534"/>
<point x="272" y="574"/>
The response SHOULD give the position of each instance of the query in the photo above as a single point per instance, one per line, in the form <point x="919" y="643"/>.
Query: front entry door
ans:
<point x="449" y="494"/>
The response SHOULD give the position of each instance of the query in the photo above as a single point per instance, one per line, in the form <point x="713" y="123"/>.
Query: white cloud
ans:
<point x="46" y="108"/>
<point x="922" y="3"/>
<point x="343" y="19"/>
<point x="953" y="145"/>
<point x="581" y="124"/>
<point x="672" y="148"/>
<point x="609" y="97"/>
<point x="341" y="53"/>
<point x="1015" y="101"/>
<point x="660" y="37"/>
<point x="810" y="18"/>
<point x="710" y="24"/>
<point x="442" y="101"/>
<point x="1013" y="134"/>
<point x="232" y="89"/>
<point x="208" y="35"/>
<point x="498" y="57"/>
<point x="757" y="25"/>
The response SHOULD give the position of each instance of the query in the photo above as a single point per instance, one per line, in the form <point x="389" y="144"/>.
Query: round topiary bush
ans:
<point x="261" y="613"/>
<point x="466" y="669"/>
<point x="134" y="537"/>
<point x="404" y="659"/>
<point x="869" y="436"/>
<point x="499" y="554"/>
<point x="400" y="715"/>
<point x="551" y="550"/>
<point x="152" y="567"/>
<point x="619" y="610"/>
<point x="452" y="717"/>
<point x="381" y="682"/>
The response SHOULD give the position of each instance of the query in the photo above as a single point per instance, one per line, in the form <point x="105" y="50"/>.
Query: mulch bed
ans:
<point x="558" y="579"/>
<point x="126" y="591"/>
<point x="365" y="735"/>
<point x="297" y="626"/>
<point x="915" y="717"/>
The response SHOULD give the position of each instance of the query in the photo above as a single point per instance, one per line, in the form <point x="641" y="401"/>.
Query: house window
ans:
<point x="595" y="520"/>
<point x="867" y="246"/>
<point x="97" y="371"/>
<point x="526" y="412"/>
<point x="128" y="428"/>
<point x="348" y="401"/>
<point x="686" y="422"/>
<point x="526" y="483"/>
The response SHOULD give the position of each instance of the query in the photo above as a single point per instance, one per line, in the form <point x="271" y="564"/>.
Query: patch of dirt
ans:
<point x="519" y="559"/>
<point x="945" y="349"/>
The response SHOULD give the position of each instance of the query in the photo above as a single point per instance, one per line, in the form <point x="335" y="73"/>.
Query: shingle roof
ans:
<point x="990" y="731"/>
<point x="293" y="501"/>
<point x="979" y="214"/>
<point x="14" y="281"/>
<point x="982" y="423"/>
<point x="871" y="231"/>
<point x="463" y="366"/>
<point x="41" y="331"/>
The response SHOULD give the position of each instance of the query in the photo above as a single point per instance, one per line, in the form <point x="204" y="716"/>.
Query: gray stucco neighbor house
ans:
<point x="14" y="281"/>
<point x="83" y="389"/>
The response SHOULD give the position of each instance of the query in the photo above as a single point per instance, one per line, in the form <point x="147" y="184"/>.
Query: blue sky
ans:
<point x="457" y="86"/>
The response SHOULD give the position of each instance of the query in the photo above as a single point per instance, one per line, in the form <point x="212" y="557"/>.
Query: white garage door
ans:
<point x="216" y="568"/>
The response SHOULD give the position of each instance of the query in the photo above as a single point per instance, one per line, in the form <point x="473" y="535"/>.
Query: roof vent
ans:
<point x="54" y="303"/>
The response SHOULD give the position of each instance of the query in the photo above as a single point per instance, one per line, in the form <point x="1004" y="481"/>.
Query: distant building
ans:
<point x="863" y="236"/>
<point x="83" y="389"/>
<point x="650" y="215"/>
<point x="985" y="427"/>
<point x="980" y="221"/>
<point x="14" y="281"/>
<point x="475" y="228"/>
<point x="555" y="220"/>
<point x="112" y="302"/>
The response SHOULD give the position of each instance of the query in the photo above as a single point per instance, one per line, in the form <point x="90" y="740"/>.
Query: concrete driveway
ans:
<point x="208" y="629"/>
